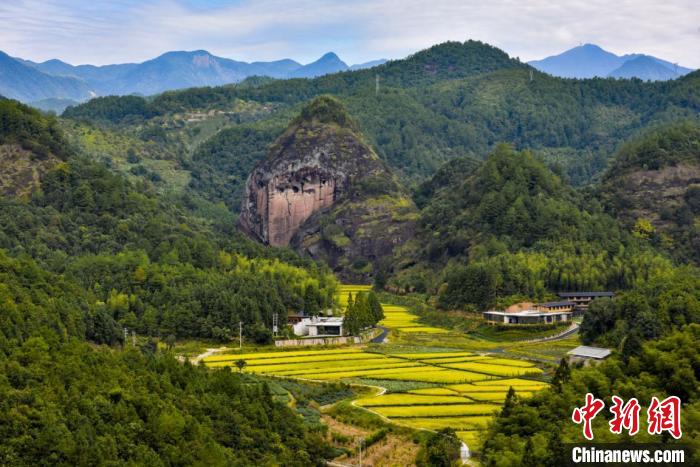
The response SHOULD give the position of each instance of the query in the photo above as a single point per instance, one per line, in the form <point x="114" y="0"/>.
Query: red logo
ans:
<point x="661" y="416"/>
<point x="587" y="413"/>
<point x="625" y="416"/>
<point x="665" y="416"/>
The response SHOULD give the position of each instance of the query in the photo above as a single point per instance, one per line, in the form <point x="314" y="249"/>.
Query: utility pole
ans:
<point x="126" y="336"/>
<point x="240" y="335"/>
<point x="362" y="440"/>
<point x="376" y="85"/>
<point x="531" y="76"/>
<point x="133" y="338"/>
<point x="275" y="324"/>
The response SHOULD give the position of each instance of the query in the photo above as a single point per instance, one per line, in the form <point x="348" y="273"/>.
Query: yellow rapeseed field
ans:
<point x="467" y="388"/>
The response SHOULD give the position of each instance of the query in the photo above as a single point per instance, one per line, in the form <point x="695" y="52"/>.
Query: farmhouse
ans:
<point x="319" y="326"/>
<point x="556" y="306"/>
<point x="587" y="354"/>
<point x="583" y="299"/>
<point x="295" y="318"/>
<point x="526" y="317"/>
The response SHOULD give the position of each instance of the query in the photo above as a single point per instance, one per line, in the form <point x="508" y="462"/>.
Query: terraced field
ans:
<point x="458" y="389"/>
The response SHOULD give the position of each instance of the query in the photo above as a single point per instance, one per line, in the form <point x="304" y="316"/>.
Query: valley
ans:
<point x="163" y="257"/>
<point x="455" y="381"/>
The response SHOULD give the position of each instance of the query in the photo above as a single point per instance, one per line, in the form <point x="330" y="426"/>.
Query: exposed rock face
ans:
<point x="322" y="190"/>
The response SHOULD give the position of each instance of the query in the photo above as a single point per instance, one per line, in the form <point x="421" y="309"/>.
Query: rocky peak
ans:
<point x="311" y="166"/>
<point x="321" y="176"/>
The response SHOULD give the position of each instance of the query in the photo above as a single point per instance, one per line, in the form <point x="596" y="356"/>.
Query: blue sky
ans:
<point x="117" y="31"/>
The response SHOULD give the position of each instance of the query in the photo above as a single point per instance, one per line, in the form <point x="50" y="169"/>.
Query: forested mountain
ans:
<point x="653" y="187"/>
<point x="124" y="211"/>
<point x="98" y="254"/>
<point x="521" y="231"/>
<point x="451" y="100"/>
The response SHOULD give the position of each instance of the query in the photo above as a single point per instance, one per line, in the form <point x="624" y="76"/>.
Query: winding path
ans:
<point x="571" y="330"/>
<point x="381" y="337"/>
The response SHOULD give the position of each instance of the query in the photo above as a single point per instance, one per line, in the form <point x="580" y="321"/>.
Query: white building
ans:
<point x="319" y="326"/>
<point x="526" y="317"/>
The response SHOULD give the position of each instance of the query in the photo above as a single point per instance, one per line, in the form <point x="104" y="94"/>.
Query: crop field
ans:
<point x="411" y="399"/>
<point x="451" y="410"/>
<point x="344" y="290"/>
<point x="458" y="423"/>
<point x="398" y="318"/>
<point x="431" y="388"/>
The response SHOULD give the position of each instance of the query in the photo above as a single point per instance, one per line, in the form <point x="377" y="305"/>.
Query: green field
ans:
<point x="430" y="388"/>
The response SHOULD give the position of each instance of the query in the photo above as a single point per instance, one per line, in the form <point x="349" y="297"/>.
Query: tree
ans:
<point x="631" y="345"/>
<point x="529" y="458"/>
<point x="376" y="310"/>
<point x="240" y="364"/>
<point x="558" y="454"/>
<point x="562" y="375"/>
<point x="441" y="450"/>
<point x="170" y="341"/>
<point x="510" y="403"/>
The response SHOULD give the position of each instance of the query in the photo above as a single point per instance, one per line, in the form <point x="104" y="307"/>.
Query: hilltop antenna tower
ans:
<point x="376" y="85"/>
<point x="531" y="76"/>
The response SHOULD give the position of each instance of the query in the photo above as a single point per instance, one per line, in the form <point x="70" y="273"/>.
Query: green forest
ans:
<point x="525" y="185"/>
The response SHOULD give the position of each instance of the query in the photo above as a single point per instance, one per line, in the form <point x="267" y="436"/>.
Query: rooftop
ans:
<point x="585" y="294"/>
<point x="562" y="303"/>
<point x="590" y="352"/>
<point x="323" y="321"/>
<point x="527" y="313"/>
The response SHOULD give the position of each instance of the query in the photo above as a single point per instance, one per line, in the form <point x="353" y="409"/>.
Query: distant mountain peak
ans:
<point x="591" y="60"/>
<point x="329" y="56"/>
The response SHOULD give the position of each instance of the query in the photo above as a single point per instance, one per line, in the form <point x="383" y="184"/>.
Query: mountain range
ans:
<point x="53" y="84"/>
<point x="590" y="61"/>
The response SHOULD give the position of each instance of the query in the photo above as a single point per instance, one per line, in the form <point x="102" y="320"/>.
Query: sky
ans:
<point x="118" y="31"/>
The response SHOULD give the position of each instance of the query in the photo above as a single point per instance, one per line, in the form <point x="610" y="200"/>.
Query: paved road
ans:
<point x="573" y="329"/>
<point x="380" y="338"/>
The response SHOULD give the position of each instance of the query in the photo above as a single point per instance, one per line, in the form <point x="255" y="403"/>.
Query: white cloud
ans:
<point x="100" y="31"/>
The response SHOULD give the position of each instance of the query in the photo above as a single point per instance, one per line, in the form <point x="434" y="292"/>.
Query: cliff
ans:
<point x="323" y="191"/>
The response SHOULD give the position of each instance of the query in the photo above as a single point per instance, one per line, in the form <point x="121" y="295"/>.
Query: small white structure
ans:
<point x="464" y="453"/>
<point x="319" y="326"/>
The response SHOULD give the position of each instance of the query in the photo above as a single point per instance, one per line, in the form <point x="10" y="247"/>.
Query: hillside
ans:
<point x="30" y="145"/>
<point x="447" y="101"/>
<point x="510" y="228"/>
<point x="653" y="187"/>
<point x="85" y="256"/>
<point x="324" y="191"/>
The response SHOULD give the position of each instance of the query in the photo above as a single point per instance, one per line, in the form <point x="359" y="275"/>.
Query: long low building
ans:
<point x="527" y="317"/>
<point x="586" y="353"/>
<point x="556" y="306"/>
<point x="582" y="299"/>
